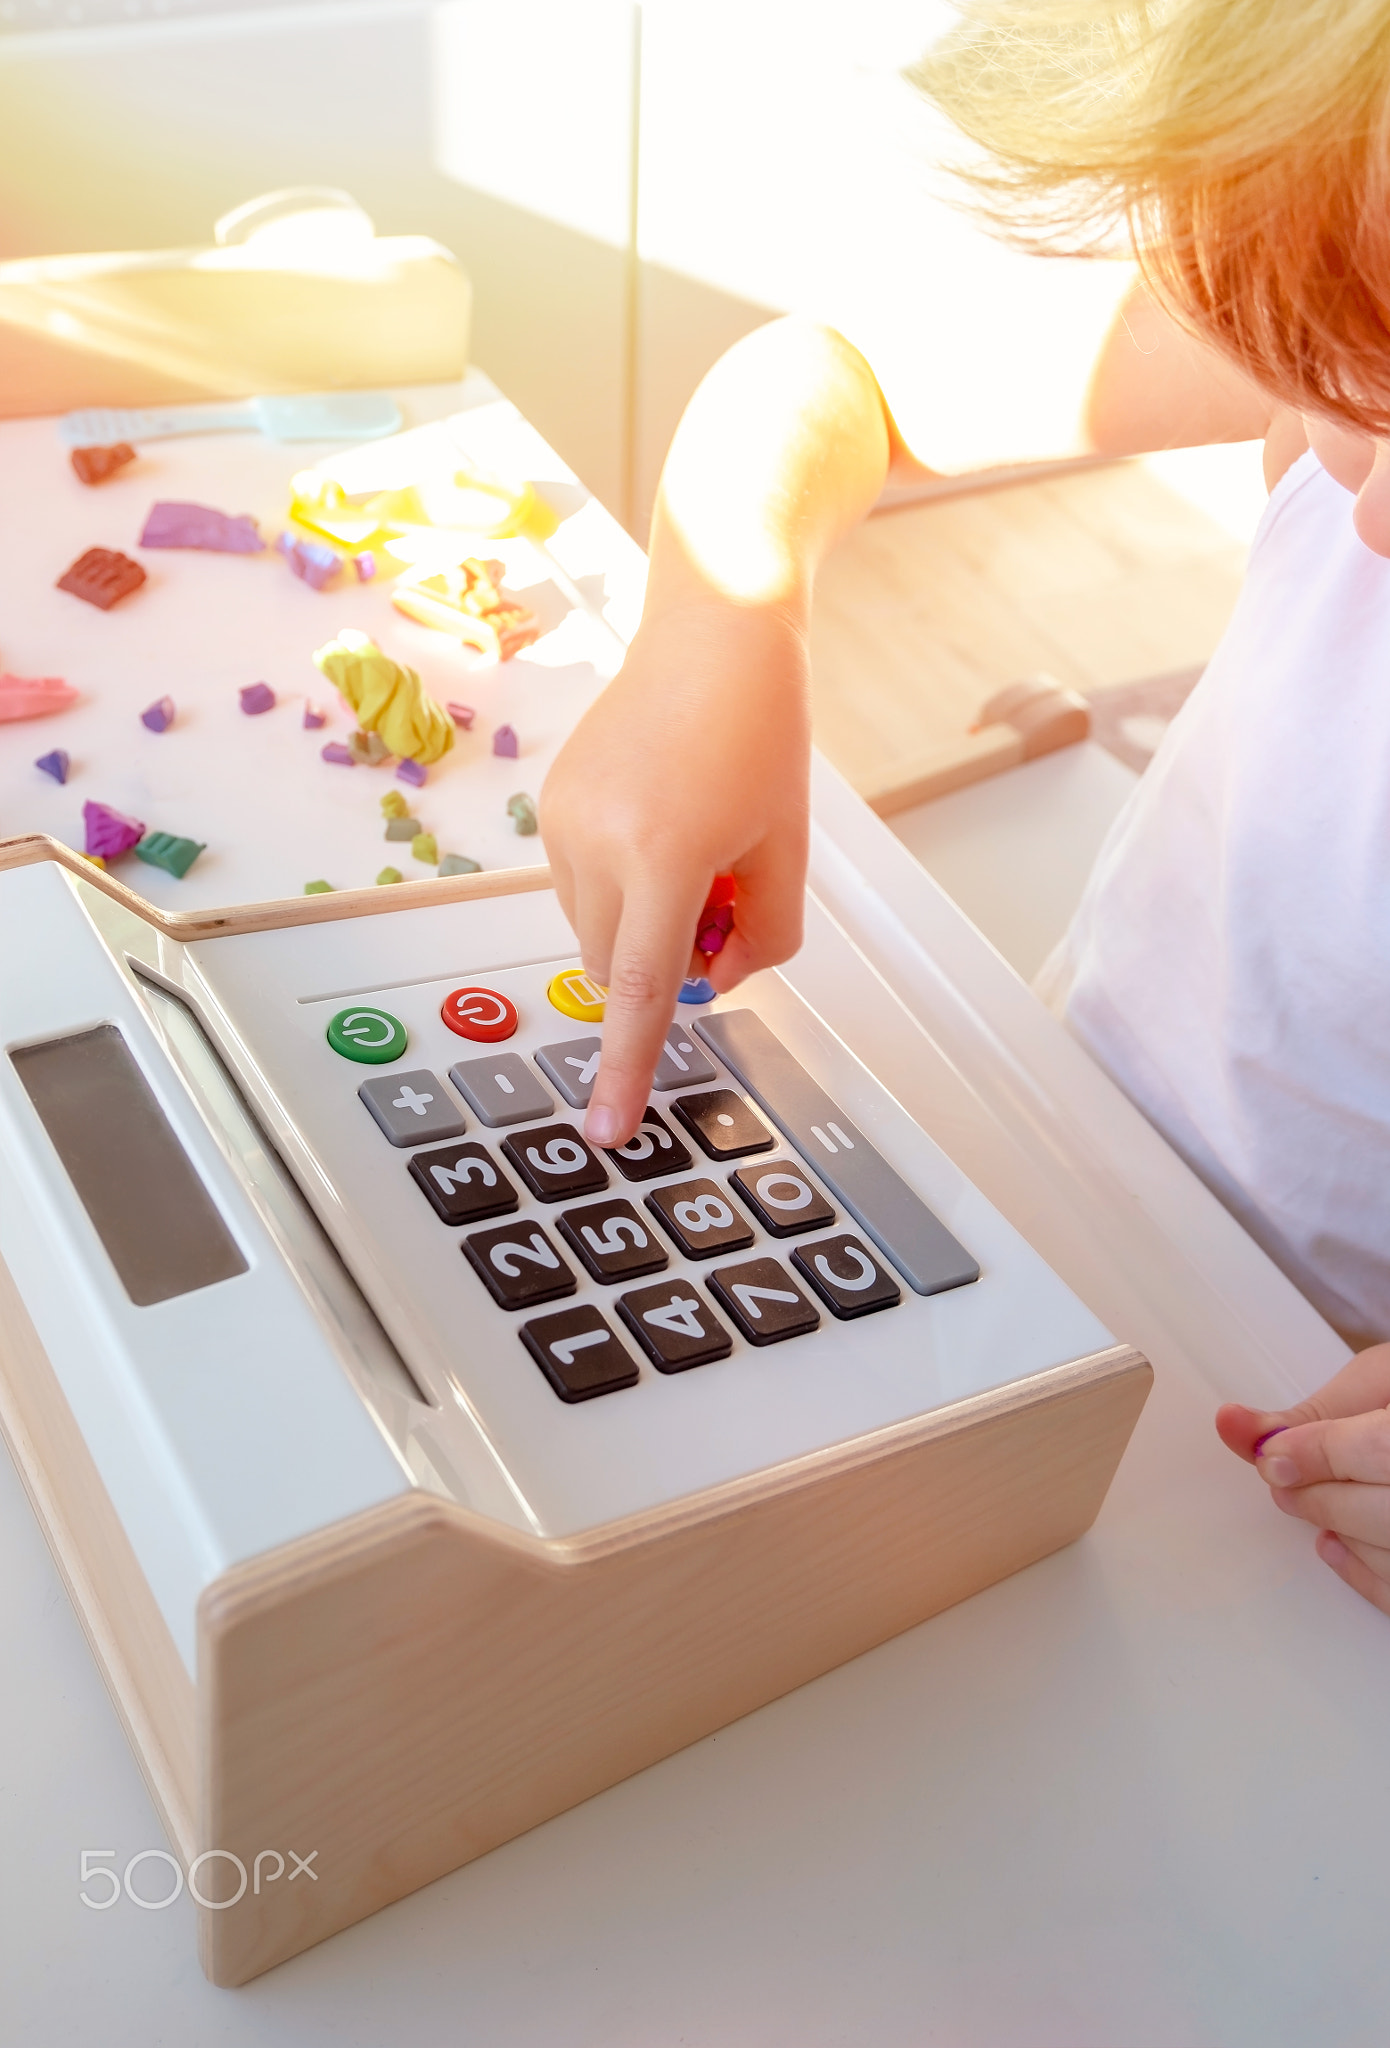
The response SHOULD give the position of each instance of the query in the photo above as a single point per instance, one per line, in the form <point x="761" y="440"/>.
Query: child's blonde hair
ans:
<point x="1244" y="143"/>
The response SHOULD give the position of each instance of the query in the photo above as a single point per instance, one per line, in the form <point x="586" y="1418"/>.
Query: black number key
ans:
<point x="614" y="1242"/>
<point x="463" y="1183"/>
<point x="555" y="1163"/>
<point x="701" y="1218"/>
<point x="847" y="1277"/>
<point x="519" y="1265"/>
<point x="674" y="1327"/>
<point x="653" y="1149"/>
<point x="723" y="1124"/>
<point x="782" y="1198"/>
<point x="763" y="1300"/>
<point x="578" y="1353"/>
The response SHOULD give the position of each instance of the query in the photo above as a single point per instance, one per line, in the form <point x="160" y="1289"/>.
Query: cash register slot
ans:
<point x="367" y="1352"/>
<point x="850" y="1165"/>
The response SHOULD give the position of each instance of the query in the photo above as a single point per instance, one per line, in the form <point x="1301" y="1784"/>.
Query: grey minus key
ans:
<point x="878" y="1198"/>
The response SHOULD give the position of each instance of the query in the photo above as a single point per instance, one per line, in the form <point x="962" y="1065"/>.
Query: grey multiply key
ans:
<point x="501" y="1089"/>
<point x="878" y="1198"/>
<point x="572" y="1065"/>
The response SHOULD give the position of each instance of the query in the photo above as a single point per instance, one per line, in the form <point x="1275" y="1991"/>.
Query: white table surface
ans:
<point x="1135" y="1797"/>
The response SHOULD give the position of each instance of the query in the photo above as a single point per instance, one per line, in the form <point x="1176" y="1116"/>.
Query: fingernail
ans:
<point x="601" y="1124"/>
<point x="1261" y="1441"/>
<point x="1280" y="1471"/>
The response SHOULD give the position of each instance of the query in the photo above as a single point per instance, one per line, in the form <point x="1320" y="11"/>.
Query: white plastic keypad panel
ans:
<point x="782" y="1260"/>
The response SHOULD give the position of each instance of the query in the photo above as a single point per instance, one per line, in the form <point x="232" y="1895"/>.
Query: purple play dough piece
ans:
<point x="462" y="714"/>
<point x="175" y="525"/>
<point x="336" y="751"/>
<point x="364" y="567"/>
<point x="108" y="832"/>
<point x="256" y="698"/>
<point x="55" y="764"/>
<point x="158" y="716"/>
<point x="314" y="718"/>
<point x="411" y="772"/>
<point x="313" y="563"/>
<point x="505" y="742"/>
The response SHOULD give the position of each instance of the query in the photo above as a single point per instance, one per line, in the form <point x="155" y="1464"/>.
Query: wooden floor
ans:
<point x="1097" y="577"/>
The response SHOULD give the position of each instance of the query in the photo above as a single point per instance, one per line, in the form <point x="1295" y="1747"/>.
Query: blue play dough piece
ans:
<point x="55" y="764"/>
<point x="696" y="990"/>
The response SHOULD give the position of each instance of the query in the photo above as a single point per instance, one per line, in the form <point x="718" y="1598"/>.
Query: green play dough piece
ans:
<point x="166" y="850"/>
<point x="389" y="875"/>
<point x="393" y="804"/>
<point x="371" y="1036"/>
<point x="521" y="810"/>
<point x="402" y="828"/>
<point x="425" y="847"/>
<point x="459" y="864"/>
<point x="318" y="888"/>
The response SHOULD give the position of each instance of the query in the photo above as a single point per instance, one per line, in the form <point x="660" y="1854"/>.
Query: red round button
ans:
<point x="479" y="1013"/>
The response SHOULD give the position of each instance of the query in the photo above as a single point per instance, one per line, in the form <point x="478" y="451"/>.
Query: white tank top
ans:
<point x="1230" y="960"/>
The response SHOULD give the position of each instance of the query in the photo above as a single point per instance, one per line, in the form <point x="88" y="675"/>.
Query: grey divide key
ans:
<point x="880" y="1201"/>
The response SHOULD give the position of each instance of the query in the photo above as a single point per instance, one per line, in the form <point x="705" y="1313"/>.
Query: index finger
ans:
<point x="651" y="958"/>
<point x="1353" y="1447"/>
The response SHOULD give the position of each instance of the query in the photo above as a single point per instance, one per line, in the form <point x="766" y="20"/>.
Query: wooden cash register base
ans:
<point x="408" y="1689"/>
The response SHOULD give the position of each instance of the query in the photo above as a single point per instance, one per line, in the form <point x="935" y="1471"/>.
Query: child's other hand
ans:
<point x="1328" y="1462"/>
<point x="694" y="762"/>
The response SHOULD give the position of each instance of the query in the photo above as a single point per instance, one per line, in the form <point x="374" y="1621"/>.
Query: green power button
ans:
<point x="372" y="1036"/>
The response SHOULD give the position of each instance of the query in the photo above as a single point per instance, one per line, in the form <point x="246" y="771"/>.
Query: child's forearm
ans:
<point x="784" y="447"/>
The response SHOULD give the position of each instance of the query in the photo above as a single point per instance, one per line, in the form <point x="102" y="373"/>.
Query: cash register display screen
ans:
<point x="157" y="1221"/>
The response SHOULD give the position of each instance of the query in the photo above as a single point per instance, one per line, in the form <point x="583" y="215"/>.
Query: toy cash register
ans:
<point x="418" y="1470"/>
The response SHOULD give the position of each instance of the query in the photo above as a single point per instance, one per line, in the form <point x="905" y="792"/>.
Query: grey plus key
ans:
<point x="573" y="1067"/>
<point x="682" y="1063"/>
<point x="413" y="1109"/>
<point x="878" y="1198"/>
<point x="501" y="1089"/>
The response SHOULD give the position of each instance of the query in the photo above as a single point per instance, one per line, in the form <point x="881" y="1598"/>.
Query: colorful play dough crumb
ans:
<point x="364" y="567"/>
<point x="393" y="804"/>
<point x="424" y="846"/>
<point x="102" y="577"/>
<point x="388" y="875"/>
<point x="33" y="697"/>
<point x="314" y="718"/>
<point x="172" y="524"/>
<point x="311" y="561"/>
<point x="411" y="772"/>
<point x="256" y="698"/>
<point x="166" y="850"/>
<point x="715" y="926"/>
<point x="403" y="828"/>
<point x="338" y="754"/>
<point x="468" y="601"/>
<point x="108" y="832"/>
<point x="94" y="465"/>
<point x="56" y="763"/>
<point x="521" y="809"/>
<point x="506" y="743"/>
<point x="95" y="860"/>
<point x="368" y="749"/>
<point x="462" y="715"/>
<point x="318" y="888"/>
<point x="388" y="698"/>
<point x="458" y="864"/>
<point x="158" y="716"/>
<point x="696" y="990"/>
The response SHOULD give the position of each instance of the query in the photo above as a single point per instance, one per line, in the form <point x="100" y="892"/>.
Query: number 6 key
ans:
<point x="555" y="1163"/>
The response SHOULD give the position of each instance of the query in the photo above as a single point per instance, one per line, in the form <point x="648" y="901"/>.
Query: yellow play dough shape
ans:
<point x="388" y="698"/>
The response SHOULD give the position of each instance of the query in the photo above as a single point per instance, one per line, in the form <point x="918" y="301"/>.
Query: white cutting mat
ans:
<point x="273" y="814"/>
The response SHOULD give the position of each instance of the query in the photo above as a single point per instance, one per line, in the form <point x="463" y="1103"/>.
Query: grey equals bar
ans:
<point x="878" y="1198"/>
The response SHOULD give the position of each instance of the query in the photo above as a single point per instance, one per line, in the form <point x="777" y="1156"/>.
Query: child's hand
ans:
<point x="1328" y="1462"/>
<point x="694" y="762"/>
